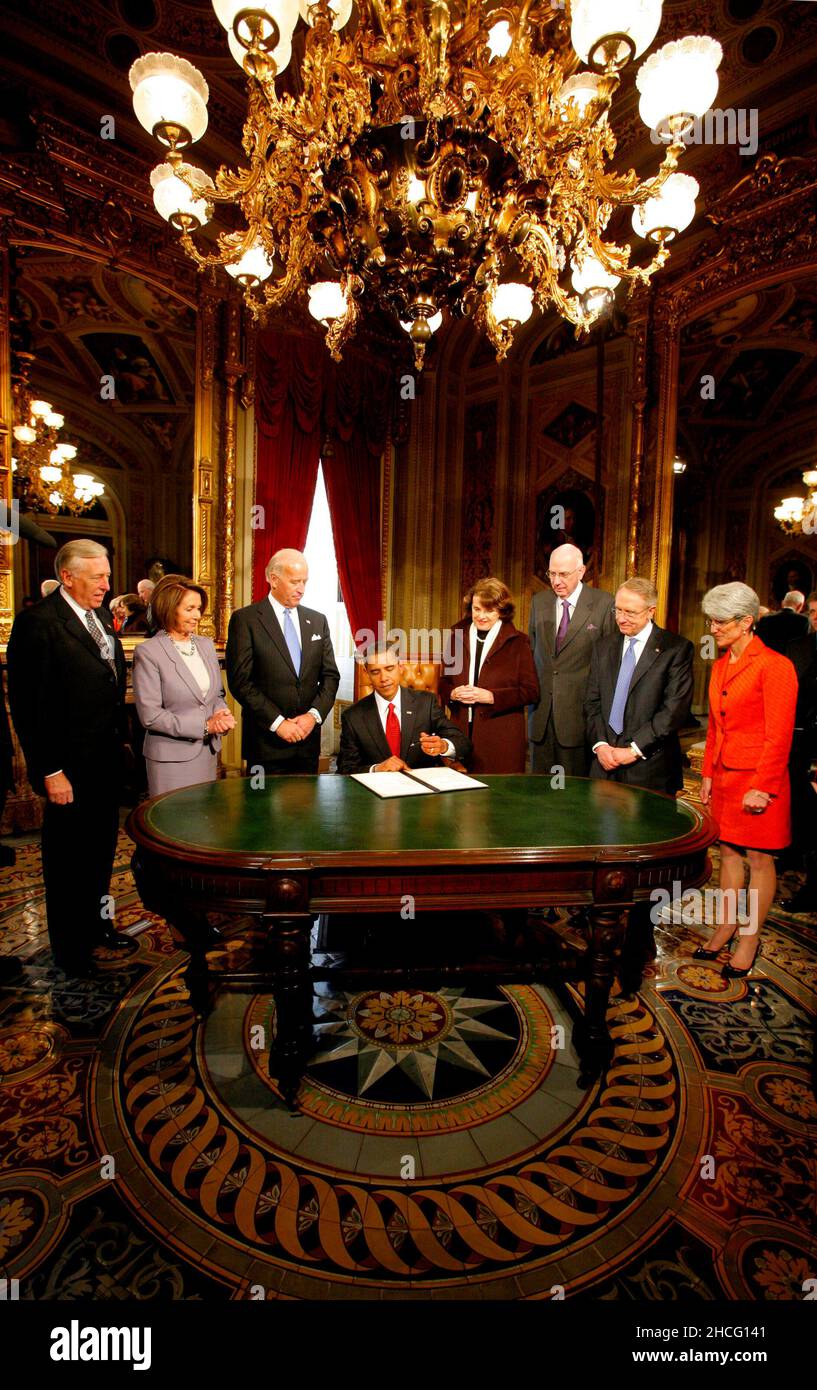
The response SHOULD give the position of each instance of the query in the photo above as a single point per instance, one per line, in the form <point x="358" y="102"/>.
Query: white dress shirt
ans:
<point x="490" y="638"/>
<point x="383" y="711"/>
<point x="279" y="609"/>
<point x="639" y="641"/>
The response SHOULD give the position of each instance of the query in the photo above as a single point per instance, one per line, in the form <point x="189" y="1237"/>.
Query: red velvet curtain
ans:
<point x="289" y="389"/>
<point x="310" y="407"/>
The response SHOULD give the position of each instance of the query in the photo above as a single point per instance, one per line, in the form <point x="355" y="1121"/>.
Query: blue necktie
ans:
<point x="625" y="675"/>
<point x="291" y="639"/>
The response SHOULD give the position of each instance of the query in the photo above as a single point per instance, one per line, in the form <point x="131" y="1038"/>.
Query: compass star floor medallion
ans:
<point x="409" y="1030"/>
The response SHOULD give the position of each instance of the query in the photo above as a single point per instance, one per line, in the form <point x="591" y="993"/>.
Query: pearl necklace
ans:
<point x="183" y="650"/>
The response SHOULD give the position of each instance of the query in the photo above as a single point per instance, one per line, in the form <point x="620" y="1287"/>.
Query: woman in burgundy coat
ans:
<point x="491" y="679"/>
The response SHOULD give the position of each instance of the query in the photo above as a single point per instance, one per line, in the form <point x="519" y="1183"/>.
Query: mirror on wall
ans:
<point x="116" y="358"/>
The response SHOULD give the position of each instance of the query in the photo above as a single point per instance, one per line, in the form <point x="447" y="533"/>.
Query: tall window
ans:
<point x="323" y="590"/>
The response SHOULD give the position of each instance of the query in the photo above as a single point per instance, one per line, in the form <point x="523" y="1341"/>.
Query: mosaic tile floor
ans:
<point x="442" y="1149"/>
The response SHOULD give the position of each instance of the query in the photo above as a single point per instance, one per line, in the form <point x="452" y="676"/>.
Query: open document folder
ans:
<point x="417" y="782"/>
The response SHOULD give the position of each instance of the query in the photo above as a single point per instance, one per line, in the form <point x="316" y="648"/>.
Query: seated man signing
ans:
<point x="394" y="729"/>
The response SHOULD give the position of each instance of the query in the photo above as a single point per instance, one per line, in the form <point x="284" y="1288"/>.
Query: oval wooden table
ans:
<point x="300" y="846"/>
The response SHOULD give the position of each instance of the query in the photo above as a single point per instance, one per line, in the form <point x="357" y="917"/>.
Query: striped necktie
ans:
<point x="100" y="639"/>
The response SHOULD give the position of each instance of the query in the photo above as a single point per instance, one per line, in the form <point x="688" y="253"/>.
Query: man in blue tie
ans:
<point x="639" y="695"/>
<point x="281" y="669"/>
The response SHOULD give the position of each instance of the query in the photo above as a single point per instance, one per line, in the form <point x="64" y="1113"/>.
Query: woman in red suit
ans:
<point x="752" y="697"/>
<point x="491" y="679"/>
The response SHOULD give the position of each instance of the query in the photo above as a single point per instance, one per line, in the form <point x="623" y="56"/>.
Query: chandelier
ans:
<point x="800" y="513"/>
<point x="42" y="477"/>
<point x="439" y="157"/>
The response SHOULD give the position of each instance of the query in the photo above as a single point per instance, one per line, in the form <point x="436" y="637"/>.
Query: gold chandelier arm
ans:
<point x="649" y="187"/>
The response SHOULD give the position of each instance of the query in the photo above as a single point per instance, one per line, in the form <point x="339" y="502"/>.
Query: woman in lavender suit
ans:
<point x="178" y="691"/>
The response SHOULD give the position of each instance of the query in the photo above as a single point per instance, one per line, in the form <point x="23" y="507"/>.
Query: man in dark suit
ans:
<point x="777" y="630"/>
<point x="281" y="669"/>
<point x="66" y="689"/>
<point x="803" y="655"/>
<point x="394" y="729"/>
<point x="564" y="626"/>
<point x="639" y="695"/>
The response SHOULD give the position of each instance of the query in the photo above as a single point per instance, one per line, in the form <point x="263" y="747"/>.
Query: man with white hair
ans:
<point x="281" y="669"/>
<point x="777" y="630"/>
<point x="66" y="677"/>
<point x="565" y="622"/>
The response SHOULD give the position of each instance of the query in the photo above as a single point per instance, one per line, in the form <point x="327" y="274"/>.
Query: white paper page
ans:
<point x="387" y="784"/>
<point x="445" y="779"/>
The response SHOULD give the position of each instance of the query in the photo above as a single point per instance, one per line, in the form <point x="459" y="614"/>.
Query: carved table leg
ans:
<point x="289" y="947"/>
<point x="591" y="1036"/>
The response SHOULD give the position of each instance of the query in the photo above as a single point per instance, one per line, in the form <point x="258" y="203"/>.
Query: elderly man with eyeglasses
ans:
<point x="639" y="695"/>
<point x="565" y="623"/>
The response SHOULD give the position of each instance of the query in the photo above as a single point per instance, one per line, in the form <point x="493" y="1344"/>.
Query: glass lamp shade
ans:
<point x="283" y="12"/>
<point x="54" y="420"/>
<point x="614" y="30"/>
<point x="326" y="301"/>
<point x="810" y="478"/>
<point x="40" y="409"/>
<point x="341" y="9"/>
<point x="253" y="267"/>
<point x="25" y="434"/>
<point x="56" y="499"/>
<point x="62" y="452"/>
<point x="174" y="201"/>
<point x="591" y="275"/>
<point x="680" y="80"/>
<point x="433" y="323"/>
<point x="169" y="92"/>
<point x="790" y="509"/>
<point x="280" y="55"/>
<point x="581" y="89"/>
<point x="500" y="38"/>
<point x="670" y="211"/>
<point x="512" y="303"/>
<point x="50" y="473"/>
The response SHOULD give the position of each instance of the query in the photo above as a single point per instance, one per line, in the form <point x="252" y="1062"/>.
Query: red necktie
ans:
<point x="393" y="732"/>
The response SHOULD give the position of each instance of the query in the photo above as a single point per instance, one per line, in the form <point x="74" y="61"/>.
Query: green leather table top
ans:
<point x="326" y="814"/>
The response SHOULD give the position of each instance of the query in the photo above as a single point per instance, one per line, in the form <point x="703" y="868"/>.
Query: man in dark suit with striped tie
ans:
<point x="281" y="669"/>
<point x="66" y="678"/>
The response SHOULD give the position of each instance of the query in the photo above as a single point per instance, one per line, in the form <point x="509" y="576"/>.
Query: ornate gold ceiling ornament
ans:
<point x="441" y="157"/>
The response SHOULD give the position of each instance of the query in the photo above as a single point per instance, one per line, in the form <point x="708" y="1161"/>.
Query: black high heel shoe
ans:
<point x="703" y="954"/>
<point x="733" y="972"/>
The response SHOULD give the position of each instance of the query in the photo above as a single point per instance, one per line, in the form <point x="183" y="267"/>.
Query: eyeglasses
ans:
<point x="631" y="612"/>
<point x="722" y="622"/>
<point x="553" y="574"/>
